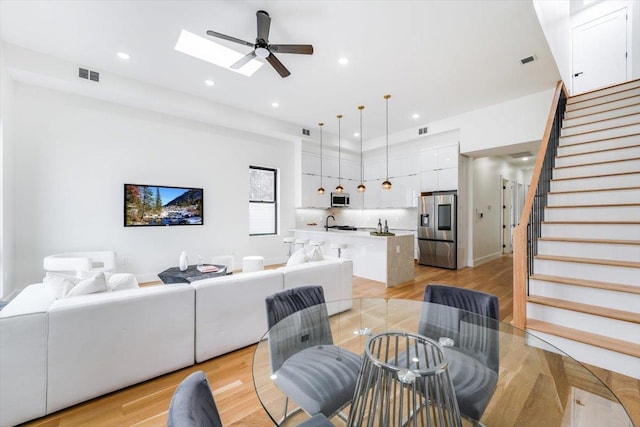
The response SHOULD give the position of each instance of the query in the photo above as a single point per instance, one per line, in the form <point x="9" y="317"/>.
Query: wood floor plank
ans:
<point x="230" y="375"/>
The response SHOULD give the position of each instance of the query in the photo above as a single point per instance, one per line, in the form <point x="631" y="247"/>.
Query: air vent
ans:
<point x="422" y="131"/>
<point x="523" y="154"/>
<point x="306" y="132"/>
<point x="528" y="59"/>
<point x="83" y="73"/>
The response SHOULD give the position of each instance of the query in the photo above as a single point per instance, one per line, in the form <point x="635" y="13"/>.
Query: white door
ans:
<point x="600" y="52"/>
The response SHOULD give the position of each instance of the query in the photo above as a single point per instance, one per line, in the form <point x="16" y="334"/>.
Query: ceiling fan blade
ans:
<point x="242" y="61"/>
<point x="275" y="63"/>
<point x="264" y="23"/>
<point x="305" y="49"/>
<point x="226" y="37"/>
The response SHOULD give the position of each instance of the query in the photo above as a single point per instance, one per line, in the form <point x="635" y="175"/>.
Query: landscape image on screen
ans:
<point x="148" y="205"/>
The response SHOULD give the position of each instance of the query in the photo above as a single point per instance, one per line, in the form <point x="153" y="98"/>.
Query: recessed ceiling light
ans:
<point x="524" y="159"/>
<point x="215" y="53"/>
<point x="343" y="61"/>
<point x="124" y="56"/>
<point x="274" y="104"/>
<point x="356" y="134"/>
<point x="416" y="116"/>
<point x="209" y="82"/>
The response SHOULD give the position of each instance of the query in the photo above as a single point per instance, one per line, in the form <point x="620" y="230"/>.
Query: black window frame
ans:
<point x="274" y="202"/>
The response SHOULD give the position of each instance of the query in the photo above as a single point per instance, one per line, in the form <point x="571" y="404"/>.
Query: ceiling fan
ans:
<point x="262" y="48"/>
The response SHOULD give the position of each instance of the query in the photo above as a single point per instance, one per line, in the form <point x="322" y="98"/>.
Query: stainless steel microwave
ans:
<point x="339" y="200"/>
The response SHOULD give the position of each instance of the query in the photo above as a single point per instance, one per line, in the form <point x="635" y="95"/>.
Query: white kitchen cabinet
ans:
<point x="402" y="165"/>
<point x="310" y="163"/>
<point x="439" y="158"/>
<point x="374" y="169"/>
<point x="429" y="180"/>
<point x="428" y="159"/>
<point x="448" y="179"/>
<point x="350" y="169"/>
<point x="330" y="166"/>
<point x="373" y="194"/>
<point x="310" y="198"/>
<point x="356" y="197"/>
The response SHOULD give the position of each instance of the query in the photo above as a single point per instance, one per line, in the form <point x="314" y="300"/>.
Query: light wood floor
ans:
<point x="146" y="404"/>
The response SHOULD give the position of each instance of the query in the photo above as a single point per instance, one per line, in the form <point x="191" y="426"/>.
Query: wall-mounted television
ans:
<point x="154" y="205"/>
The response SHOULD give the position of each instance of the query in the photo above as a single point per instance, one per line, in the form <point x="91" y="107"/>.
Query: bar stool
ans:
<point x="302" y="242"/>
<point x="316" y="242"/>
<point x="339" y="247"/>
<point x="289" y="241"/>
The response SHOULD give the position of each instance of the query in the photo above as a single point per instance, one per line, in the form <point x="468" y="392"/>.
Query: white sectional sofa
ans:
<point x="55" y="353"/>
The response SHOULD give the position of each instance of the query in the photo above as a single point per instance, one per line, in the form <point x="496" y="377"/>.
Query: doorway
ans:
<point x="600" y="52"/>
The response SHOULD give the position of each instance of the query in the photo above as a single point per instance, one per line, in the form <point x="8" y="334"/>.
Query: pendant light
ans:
<point x="386" y="185"/>
<point x="361" y="187"/>
<point x="339" y="188"/>
<point x="320" y="189"/>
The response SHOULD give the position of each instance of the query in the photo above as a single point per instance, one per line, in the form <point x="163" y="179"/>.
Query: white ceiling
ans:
<point x="436" y="58"/>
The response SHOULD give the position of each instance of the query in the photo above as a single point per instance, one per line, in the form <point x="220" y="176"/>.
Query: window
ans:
<point x="263" y="202"/>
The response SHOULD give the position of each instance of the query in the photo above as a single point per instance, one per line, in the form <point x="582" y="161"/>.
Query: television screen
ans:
<point x="150" y="205"/>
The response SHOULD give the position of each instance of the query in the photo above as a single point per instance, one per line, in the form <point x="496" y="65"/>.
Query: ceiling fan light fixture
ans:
<point x="262" y="52"/>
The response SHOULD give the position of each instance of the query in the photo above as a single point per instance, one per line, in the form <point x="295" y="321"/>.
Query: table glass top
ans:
<point x="537" y="384"/>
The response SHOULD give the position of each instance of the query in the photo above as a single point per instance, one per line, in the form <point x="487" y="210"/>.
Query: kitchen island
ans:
<point x="386" y="259"/>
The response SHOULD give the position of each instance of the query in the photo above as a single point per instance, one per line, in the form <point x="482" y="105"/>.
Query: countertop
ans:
<point x="360" y="232"/>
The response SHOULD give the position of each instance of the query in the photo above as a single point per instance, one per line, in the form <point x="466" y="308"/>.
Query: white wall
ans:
<point x="488" y="173"/>
<point x="554" y="17"/>
<point x="6" y="177"/>
<point x="75" y="153"/>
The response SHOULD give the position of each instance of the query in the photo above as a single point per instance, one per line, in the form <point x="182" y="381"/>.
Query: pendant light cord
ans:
<point x="387" y="115"/>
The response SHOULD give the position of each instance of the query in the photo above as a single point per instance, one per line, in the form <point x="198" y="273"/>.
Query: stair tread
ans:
<point x="600" y="130"/>
<point x="595" y="340"/>
<point x="576" y="111"/>
<point x="589" y="190"/>
<point x="603" y="111"/>
<point x="596" y="140"/>
<point x="611" y="313"/>
<point x="580" y="240"/>
<point x="618" y="287"/>
<point x="564" y="156"/>
<point x="596" y="176"/>
<point x="602" y="120"/>
<point x="597" y="163"/>
<point x="594" y="222"/>
<point x="572" y="99"/>
<point x="605" y="205"/>
<point x="615" y="263"/>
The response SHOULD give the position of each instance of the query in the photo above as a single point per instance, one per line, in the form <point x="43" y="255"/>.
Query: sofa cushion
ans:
<point x="315" y="254"/>
<point x="298" y="257"/>
<point x="87" y="286"/>
<point x="121" y="281"/>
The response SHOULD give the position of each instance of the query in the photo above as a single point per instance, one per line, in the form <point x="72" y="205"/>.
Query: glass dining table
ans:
<point x="535" y="384"/>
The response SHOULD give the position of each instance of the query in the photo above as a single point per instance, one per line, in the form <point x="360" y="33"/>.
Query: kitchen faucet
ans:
<point x="326" y="222"/>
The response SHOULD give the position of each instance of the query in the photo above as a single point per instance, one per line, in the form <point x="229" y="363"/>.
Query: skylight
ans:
<point x="215" y="53"/>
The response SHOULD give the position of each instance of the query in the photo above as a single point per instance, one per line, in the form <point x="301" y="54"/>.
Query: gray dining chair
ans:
<point x="473" y="345"/>
<point x="193" y="405"/>
<point x="318" y="375"/>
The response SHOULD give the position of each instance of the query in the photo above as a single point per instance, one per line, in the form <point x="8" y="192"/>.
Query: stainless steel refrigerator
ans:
<point x="437" y="230"/>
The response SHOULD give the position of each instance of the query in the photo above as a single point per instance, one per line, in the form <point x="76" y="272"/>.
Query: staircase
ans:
<point x="584" y="295"/>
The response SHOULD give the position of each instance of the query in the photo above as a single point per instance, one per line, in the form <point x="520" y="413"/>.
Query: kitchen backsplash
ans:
<point x="405" y="219"/>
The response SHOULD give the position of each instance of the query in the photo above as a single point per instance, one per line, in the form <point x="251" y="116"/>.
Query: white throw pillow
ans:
<point x="120" y="281"/>
<point x="315" y="254"/>
<point x="91" y="285"/>
<point x="298" y="257"/>
<point x="60" y="284"/>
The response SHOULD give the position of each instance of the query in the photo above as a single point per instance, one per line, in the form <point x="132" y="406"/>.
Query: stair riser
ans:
<point x="613" y="328"/>
<point x="593" y="231"/>
<point x="599" y="169"/>
<point x="585" y="295"/>
<point x="596" y="183"/>
<point x="574" y="104"/>
<point x="600" y="125"/>
<point x="588" y="111"/>
<point x="613" y="213"/>
<point x="606" y="144"/>
<point x="600" y="134"/>
<point x="617" y="252"/>
<point x="604" y="115"/>
<point x="584" y="271"/>
<point x="604" y="92"/>
<point x="596" y="356"/>
<point x="601" y="156"/>
<point x="594" y="197"/>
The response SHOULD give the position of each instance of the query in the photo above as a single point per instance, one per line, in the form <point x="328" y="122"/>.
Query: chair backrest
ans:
<point x="474" y="331"/>
<point x="78" y="262"/>
<point x="193" y="405"/>
<point x="297" y="319"/>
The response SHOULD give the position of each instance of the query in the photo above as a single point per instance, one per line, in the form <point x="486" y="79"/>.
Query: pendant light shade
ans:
<point x="386" y="185"/>
<point x="320" y="189"/>
<point x="361" y="187"/>
<point x="339" y="188"/>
